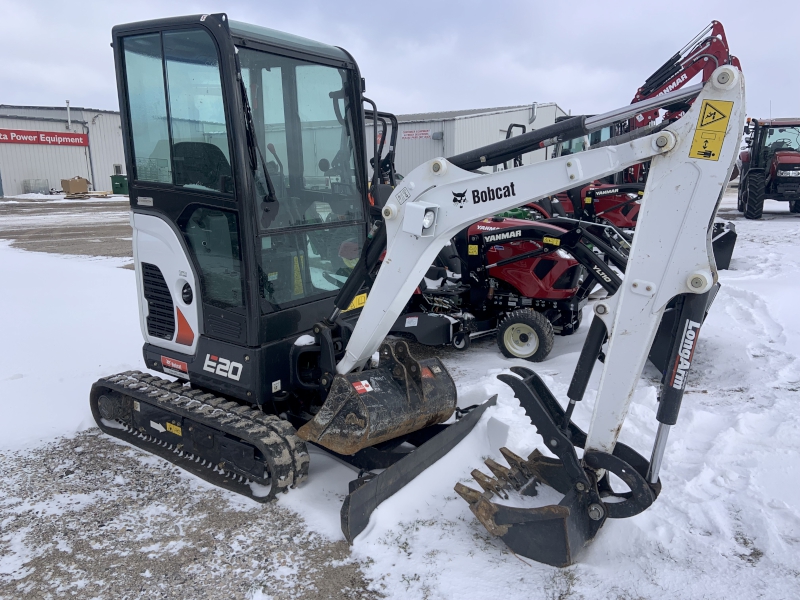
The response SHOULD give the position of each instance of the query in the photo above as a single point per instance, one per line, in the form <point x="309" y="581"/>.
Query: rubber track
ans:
<point x="286" y="454"/>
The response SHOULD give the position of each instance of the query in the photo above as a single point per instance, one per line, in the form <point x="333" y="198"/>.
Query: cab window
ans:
<point x="147" y="108"/>
<point x="312" y="233"/>
<point x="304" y="126"/>
<point x="177" y="115"/>
<point x="212" y="236"/>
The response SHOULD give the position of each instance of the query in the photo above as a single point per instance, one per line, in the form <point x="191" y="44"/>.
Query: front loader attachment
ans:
<point x="555" y="534"/>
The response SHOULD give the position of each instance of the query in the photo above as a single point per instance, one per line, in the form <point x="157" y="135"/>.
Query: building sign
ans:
<point x="416" y="134"/>
<point x="48" y="138"/>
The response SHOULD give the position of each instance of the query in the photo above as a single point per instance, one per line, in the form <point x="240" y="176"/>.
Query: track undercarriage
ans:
<point x="228" y="444"/>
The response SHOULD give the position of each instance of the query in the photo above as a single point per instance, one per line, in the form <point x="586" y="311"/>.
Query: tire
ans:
<point x="794" y="206"/>
<point x="461" y="340"/>
<point x="525" y="334"/>
<point x="740" y="198"/>
<point x="754" y="206"/>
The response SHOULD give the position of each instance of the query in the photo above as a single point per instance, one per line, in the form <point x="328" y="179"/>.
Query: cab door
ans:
<point x="186" y="220"/>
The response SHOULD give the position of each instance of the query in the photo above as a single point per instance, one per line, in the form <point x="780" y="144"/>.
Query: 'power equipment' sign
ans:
<point x="48" y="138"/>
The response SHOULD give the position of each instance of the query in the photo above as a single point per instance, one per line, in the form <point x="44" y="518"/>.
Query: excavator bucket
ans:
<point x="555" y="534"/>
<point x="366" y="408"/>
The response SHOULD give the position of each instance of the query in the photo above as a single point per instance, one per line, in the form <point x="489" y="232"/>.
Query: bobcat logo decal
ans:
<point x="460" y="199"/>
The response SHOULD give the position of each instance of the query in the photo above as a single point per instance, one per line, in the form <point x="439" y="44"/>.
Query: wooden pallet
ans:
<point x="85" y="195"/>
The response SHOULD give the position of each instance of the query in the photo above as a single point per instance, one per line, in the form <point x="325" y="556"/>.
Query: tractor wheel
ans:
<point x="741" y="198"/>
<point x="526" y="334"/>
<point x="794" y="206"/>
<point x="461" y="340"/>
<point x="754" y="206"/>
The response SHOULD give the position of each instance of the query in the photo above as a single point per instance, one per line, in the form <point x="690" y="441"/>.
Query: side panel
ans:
<point x="156" y="243"/>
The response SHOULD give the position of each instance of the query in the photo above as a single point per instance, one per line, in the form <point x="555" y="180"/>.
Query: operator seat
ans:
<point x="203" y="164"/>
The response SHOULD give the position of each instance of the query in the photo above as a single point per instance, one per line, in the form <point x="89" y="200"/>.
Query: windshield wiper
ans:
<point x="252" y="141"/>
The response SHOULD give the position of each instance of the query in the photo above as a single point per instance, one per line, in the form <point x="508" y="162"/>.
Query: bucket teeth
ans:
<point x="517" y="476"/>
<point x="490" y="484"/>
<point x="519" y="464"/>
<point x="502" y="473"/>
<point x="467" y="493"/>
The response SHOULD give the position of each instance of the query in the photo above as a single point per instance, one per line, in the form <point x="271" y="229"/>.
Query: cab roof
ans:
<point x="304" y="48"/>
<point x="281" y="39"/>
<point x="785" y="121"/>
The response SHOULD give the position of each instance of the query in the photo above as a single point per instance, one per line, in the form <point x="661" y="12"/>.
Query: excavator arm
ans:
<point x="671" y="257"/>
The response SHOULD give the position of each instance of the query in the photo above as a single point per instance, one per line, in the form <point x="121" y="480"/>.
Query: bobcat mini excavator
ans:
<point x="254" y="241"/>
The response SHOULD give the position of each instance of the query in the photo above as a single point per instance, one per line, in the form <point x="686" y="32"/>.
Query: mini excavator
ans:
<point x="262" y="292"/>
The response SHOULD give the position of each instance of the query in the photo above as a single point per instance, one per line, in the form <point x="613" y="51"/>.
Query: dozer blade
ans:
<point x="401" y="396"/>
<point x="555" y="534"/>
<point x="367" y="492"/>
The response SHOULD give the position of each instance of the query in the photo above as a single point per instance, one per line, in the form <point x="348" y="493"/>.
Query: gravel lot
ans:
<point x="101" y="519"/>
<point x="86" y="228"/>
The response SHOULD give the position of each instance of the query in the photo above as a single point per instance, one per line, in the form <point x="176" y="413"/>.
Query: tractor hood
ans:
<point x="784" y="160"/>
<point x="786" y="157"/>
<point x="492" y="225"/>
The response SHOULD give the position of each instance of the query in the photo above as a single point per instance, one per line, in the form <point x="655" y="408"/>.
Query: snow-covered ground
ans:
<point x="57" y="198"/>
<point x="726" y="525"/>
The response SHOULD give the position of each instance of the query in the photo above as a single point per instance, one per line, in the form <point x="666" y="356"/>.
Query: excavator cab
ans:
<point x="252" y="226"/>
<point x="247" y="190"/>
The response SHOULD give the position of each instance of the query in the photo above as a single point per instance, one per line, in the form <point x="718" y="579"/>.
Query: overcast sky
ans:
<point x="417" y="56"/>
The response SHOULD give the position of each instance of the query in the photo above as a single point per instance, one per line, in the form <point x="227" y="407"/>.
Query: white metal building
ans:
<point x="424" y="136"/>
<point x="40" y="146"/>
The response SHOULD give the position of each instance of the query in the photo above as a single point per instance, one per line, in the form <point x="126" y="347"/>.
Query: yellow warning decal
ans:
<point x="174" y="429"/>
<point x="298" y="278"/>
<point x="587" y="200"/>
<point x="357" y="302"/>
<point x="552" y="241"/>
<point x="711" y="126"/>
<point x="472" y="250"/>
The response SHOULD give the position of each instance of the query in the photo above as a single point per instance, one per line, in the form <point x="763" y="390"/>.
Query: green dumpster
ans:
<point x="119" y="184"/>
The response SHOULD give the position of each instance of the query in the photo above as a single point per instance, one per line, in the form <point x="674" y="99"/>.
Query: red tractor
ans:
<point x="606" y="203"/>
<point x="525" y="281"/>
<point x="770" y="166"/>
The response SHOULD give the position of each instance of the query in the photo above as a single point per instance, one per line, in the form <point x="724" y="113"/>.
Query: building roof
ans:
<point x="466" y="113"/>
<point x="9" y="108"/>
